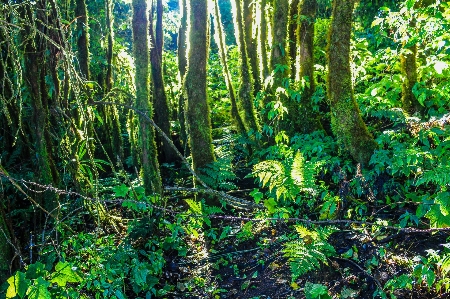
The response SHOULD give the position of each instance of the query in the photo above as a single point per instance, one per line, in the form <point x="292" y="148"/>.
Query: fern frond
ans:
<point x="309" y="252"/>
<point x="270" y="173"/>
<point x="439" y="176"/>
<point x="219" y="174"/>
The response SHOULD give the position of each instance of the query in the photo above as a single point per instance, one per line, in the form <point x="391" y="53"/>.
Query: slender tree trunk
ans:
<point x="182" y="66"/>
<point x="246" y="91"/>
<point x="112" y="112"/>
<point x="6" y="255"/>
<point x="294" y="19"/>
<point x="149" y="162"/>
<point x="197" y="109"/>
<point x="250" y="42"/>
<point x="262" y="43"/>
<point x="162" y="115"/>
<point x="408" y="63"/>
<point x="82" y="40"/>
<point x="307" y="120"/>
<point x="220" y="40"/>
<point x="346" y="120"/>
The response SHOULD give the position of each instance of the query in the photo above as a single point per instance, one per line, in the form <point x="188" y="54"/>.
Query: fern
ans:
<point x="219" y="174"/>
<point x="439" y="176"/>
<point x="310" y="251"/>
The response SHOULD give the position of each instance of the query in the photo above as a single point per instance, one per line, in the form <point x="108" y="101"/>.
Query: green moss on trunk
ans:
<point x="250" y="41"/>
<point x="182" y="66"/>
<point x="162" y="115"/>
<point x="346" y="120"/>
<point x="83" y="37"/>
<point x="262" y="42"/>
<point x="246" y="91"/>
<point x="306" y="120"/>
<point x="220" y="41"/>
<point x="294" y="18"/>
<point x="149" y="163"/>
<point x="5" y="249"/>
<point x="408" y="63"/>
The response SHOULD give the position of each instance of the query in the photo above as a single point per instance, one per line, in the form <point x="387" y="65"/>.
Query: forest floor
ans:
<point x="257" y="268"/>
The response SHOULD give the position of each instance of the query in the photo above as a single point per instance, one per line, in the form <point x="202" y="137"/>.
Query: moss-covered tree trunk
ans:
<point x="346" y="120"/>
<point x="197" y="109"/>
<point x="112" y="113"/>
<point x="6" y="253"/>
<point x="246" y="90"/>
<point x="34" y="77"/>
<point x="220" y="41"/>
<point x="250" y="41"/>
<point x="294" y="18"/>
<point x="162" y="114"/>
<point x="83" y="38"/>
<point x="408" y="64"/>
<point x="149" y="163"/>
<point x="262" y="43"/>
<point x="307" y="120"/>
<point x="182" y="66"/>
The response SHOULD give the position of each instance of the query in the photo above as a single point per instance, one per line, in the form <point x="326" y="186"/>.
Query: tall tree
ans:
<point x="111" y="112"/>
<point x="262" y="42"/>
<point x="182" y="66"/>
<point x="197" y="109"/>
<point x="162" y="115"/>
<point x="220" y="41"/>
<point x="294" y="18"/>
<point x="307" y="120"/>
<point x="149" y="162"/>
<point x="250" y="33"/>
<point x="346" y="120"/>
<point x="83" y="37"/>
<point x="246" y="91"/>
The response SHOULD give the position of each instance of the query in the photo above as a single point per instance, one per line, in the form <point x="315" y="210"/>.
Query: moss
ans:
<point x="149" y="163"/>
<point x="83" y="37"/>
<point x="5" y="249"/>
<point x="182" y="65"/>
<point x="250" y="41"/>
<point x="220" y="41"/>
<point x="246" y="91"/>
<point x="306" y="120"/>
<point x="197" y="113"/>
<point x="346" y="120"/>
<point x="262" y="43"/>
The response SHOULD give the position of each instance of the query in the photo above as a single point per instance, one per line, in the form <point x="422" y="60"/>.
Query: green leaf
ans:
<point x="39" y="290"/>
<point x="121" y="191"/>
<point x="36" y="270"/>
<point x="18" y="285"/>
<point x="64" y="273"/>
<point x="257" y="196"/>
<point x="270" y="204"/>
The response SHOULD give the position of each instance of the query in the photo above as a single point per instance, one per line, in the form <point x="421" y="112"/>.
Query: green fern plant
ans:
<point x="219" y="174"/>
<point x="309" y="251"/>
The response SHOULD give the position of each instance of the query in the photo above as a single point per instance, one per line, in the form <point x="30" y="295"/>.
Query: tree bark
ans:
<point x="346" y="120"/>
<point x="220" y="40"/>
<point x="197" y="109"/>
<point x="307" y="120"/>
<point x="182" y="66"/>
<point x="149" y="163"/>
<point x="246" y="91"/>
<point x="83" y="39"/>
<point x="294" y="19"/>
<point x="250" y="41"/>
<point x="262" y="43"/>
<point x="162" y="114"/>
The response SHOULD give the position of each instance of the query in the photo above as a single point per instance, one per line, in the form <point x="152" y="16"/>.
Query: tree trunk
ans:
<point x="246" y="85"/>
<point x="220" y="40"/>
<point x="83" y="40"/>
<point x="346" y="120"/>
<point x="262" y="43"/>
<point x="6" y="255"/>
<point x="112" y="113"/>
<point x="197" y="109"/>
<point x="162" y="115"/>
<point x="307" y="120"/>
<point x="149" y="162"/>
<point x="294" y="19"/>
<point x="250" y="42"/>
<point x="182" y="66"/>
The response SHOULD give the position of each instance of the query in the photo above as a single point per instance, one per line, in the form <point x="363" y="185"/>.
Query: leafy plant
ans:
<point x="308" y="251"/>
